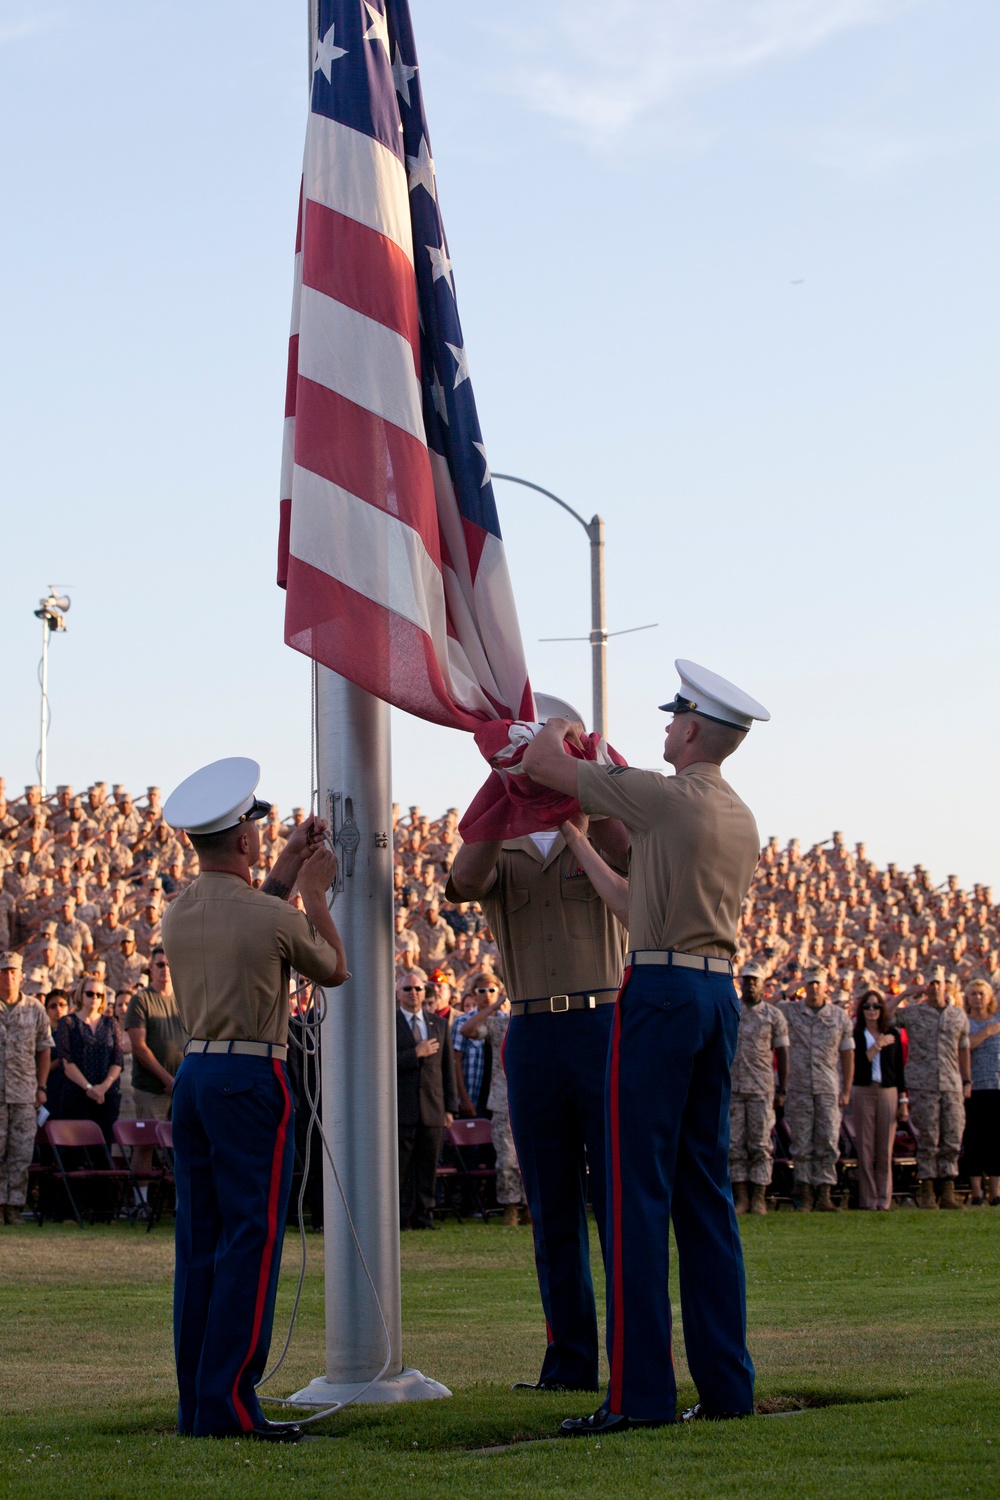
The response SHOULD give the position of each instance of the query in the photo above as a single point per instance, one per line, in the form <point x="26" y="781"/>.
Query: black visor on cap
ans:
<point x="686" y="706"/>
<point x="260" y="809"/>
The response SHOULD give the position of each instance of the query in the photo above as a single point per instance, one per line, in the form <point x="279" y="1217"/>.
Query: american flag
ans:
<point x="390" y="547"/>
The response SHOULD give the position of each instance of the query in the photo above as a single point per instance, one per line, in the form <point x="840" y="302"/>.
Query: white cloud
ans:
<point x="600" y="64"/>
<point x="16" y="31"/>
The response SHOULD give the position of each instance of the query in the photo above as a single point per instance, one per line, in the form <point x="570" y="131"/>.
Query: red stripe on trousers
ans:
<point x="380" y="651"/>
<point x="274" y="1193"/>
<point x="368" y="456"/>
<point x="618" y="1343"/>
<point x="362" y="269"/>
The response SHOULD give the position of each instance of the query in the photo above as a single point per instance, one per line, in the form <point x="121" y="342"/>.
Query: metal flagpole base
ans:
<point x="408" y="1385"/>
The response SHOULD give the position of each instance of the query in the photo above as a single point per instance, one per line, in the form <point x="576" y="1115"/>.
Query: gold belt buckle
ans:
<point x="557" y="1010"/>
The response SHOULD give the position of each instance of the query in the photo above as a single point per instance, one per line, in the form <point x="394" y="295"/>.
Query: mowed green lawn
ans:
<point x="893" y="1320"/>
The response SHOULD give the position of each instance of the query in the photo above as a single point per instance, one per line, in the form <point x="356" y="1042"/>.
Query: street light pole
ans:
<point x="598" y="615"/>
<point x="52" y="615"/>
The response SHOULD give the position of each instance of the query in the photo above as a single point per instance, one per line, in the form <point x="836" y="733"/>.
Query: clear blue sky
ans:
<point x="728" y="275"/>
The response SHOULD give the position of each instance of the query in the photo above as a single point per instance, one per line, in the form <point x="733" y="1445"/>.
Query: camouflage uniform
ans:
<point x="75" y="935"/>
<point x="436" y="941"/>
<point x="125" y="973"/>
<point x="510" y="1189"/>
<point x="934" y="1084"/>
<point x="816" y="1038"/>
<point x="24" y="1031"/>
<point x="751" y="1109"/>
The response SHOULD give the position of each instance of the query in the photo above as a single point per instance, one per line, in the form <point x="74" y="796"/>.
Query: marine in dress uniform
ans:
<point x="25" y="1054"/>
<point x="694" y="848"/>
<point x="763" y="1035"/>
<point x="938" y="1080"/>
<point x="821" y="1070"/>
<point x="561" y="954"/>
<point x="230" y="949"/>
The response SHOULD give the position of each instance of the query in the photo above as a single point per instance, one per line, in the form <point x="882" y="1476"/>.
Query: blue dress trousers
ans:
<point x="672" y="1047"/>
<point x="556" y="1067"/>
<point x="234" y="1144"/>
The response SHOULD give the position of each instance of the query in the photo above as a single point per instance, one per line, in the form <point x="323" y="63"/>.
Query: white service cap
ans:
<point x="713" y="697"/>
<point x="217" y="797"/>
<point x="549" y="707"/>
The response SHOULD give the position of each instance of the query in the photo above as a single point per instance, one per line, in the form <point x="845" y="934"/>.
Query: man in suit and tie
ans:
<point x="426" y="1097"/>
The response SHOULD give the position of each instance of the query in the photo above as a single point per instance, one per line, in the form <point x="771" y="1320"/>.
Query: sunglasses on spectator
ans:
<point x="93" y="994"/>
<point x="871" y="1005"/>
<point x="160" y="964"/>
<point x="487" y="989"/>
<point x="413" y="987"/>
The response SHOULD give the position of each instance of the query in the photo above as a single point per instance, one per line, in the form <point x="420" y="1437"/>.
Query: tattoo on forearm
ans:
<point x="272" y="887"/>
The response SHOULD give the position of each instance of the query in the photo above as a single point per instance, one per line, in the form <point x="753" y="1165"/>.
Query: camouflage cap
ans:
<point x="752" y="970"/>
<point x="128" y="935"/>
<point x="10" y="960"/>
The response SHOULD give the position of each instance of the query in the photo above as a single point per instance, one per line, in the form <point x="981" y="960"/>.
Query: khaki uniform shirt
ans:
<point x="230" y="949"/>
<point x="554" y="933"/>
<point x="935" y="1038"/>
<point x="816" y="1037"/>
<point x="694" y="851"/>
<point x="762" y="1028"/>
<point x="24" y="1031"/>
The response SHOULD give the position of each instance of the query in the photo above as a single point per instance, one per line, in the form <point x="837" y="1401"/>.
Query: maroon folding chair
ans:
<point x="39" y="1169"/>
<point x="86" y="1141"/>
<point x="133" y="1135"/>
<point x="463" y="1140"/>
<point x="165" y="1157"/>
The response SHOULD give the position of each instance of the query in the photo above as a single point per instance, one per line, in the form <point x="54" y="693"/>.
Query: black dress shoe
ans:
<point x="700" y="1413"/>
<point x="549" y="1385"/>
<point x="602" y="1422"/>
<point x="276" y="1432"/>
<point x="425" y="1224"/>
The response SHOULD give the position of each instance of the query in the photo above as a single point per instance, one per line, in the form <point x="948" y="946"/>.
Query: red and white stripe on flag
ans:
<point x="388" y="583"/>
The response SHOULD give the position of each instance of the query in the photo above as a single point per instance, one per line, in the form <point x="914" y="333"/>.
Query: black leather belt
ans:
<point x="558" y="1005"/>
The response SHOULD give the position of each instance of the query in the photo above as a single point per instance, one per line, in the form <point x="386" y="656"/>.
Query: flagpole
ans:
<point x="358" y="1065"/>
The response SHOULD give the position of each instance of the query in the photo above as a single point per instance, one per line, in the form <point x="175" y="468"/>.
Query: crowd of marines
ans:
<point x="86" y="879"/>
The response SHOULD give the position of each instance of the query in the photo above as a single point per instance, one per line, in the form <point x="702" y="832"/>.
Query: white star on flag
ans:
<point x="437" y="396"/>
<point x="327" y="53"/>
<point x="462" y="363"/>
<point x="487" y="477"/>
<point x="441" y="265"/>
<point x="402" y="75"/>
<point x="378" y="31"/>
<point x="421" y="169"/>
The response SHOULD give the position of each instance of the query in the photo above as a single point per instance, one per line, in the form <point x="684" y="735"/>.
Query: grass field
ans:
<point x="889" y="1325"/>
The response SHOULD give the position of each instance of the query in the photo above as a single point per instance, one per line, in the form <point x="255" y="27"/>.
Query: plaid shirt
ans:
<point x="470" y="1054"/>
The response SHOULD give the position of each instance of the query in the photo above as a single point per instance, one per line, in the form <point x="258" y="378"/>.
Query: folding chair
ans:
<point x="847" y="1164"/>
<point x="85" y="1137"/>
<point x="782" y="1178"/>
<point x="38" y="1171"/>
<point x="165" y="1156"/>
<point x="463" y="1138"/>
<point x="133" y="1135"/>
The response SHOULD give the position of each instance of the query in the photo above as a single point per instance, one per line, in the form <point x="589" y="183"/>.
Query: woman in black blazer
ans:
<point x="878" y="1098"/>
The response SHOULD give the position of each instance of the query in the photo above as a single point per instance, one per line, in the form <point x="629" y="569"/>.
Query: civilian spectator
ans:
<point x="89" y="1045"/>
<point x="56" y="1006"/>
<point x="426" y="1098"/>
<point x="878" y="1098"/>
<point x="474" y="1054"/>
<point x="158" y="1038"/>
<point x="982" y="1107"/>
<point x="492" y="1023"/>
